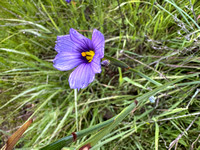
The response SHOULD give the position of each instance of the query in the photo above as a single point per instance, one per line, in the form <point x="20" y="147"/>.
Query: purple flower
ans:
<point x="75" y="50"/>
<point x="68" y="1"/>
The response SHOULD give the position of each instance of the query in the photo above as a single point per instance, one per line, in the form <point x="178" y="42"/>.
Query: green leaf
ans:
<point x="99" y="135"/>
<point x="134" y="83"/>
<point x="57" y="145"/>
<point x="116" y="62"/>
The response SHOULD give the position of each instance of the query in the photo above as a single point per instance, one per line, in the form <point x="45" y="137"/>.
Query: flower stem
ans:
<point x="76" y="111"/>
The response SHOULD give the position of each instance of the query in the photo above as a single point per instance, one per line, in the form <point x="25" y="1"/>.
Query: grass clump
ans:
<point x="159" y="39"/>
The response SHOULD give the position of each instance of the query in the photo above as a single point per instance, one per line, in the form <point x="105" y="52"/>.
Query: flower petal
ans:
<point x="98" y="42"/>
<point x="81" y="77"/>
<point x="96" y="64"/>
<point x="65" y="44"/>
<point x="85" y="43"/>
<point x="68" y="1"/>
<point x="67" y="60"/>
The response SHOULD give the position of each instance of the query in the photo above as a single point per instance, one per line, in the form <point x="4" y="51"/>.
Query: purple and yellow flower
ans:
<point x="75" y="50"/>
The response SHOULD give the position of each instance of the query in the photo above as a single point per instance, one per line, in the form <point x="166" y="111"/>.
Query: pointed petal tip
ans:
<point x="95" y="30"/>
<point x="72" y="30"/>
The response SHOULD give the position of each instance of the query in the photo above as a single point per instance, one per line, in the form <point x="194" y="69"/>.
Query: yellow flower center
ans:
<point x="88" y="55"/>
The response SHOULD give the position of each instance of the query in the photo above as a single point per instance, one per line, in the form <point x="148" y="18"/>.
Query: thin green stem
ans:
<point x="76" y="110"/>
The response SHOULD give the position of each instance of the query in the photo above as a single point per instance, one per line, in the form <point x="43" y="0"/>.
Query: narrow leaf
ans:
<point x="13" y="139"/>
